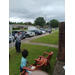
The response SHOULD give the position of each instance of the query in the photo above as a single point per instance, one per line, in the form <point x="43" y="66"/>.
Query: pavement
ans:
<point x="59" y="68"/>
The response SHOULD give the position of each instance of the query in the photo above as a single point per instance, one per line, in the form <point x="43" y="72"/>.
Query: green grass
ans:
<point x="48" y="39"/>
<point x="34" y="52"/>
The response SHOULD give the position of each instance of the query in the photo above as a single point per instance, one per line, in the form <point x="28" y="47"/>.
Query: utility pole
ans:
<point x="45" y="20"/>
<point x="11" y="34"/>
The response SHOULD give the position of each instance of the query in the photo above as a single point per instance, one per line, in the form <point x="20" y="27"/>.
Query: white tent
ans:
<point x="32" y="28"/>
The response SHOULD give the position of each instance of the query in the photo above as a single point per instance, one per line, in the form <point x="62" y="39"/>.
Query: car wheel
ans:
<point x="24" y="38"/>
<point x="36" y="34"/>
<point x="27" y="35"/>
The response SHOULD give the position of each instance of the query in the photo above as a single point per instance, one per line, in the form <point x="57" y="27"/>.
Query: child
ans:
<point x="24" y="60"/>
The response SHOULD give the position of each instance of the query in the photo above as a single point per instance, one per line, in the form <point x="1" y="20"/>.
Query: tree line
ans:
<point x="39" y="21"/>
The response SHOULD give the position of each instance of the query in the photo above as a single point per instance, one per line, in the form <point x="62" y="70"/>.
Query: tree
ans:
<point x="54" y="23"/>
<point x="47" y="23"/>
<point x="29" y="23"/>
<point x="40" y="21"/>
<point x="10" y="22"/>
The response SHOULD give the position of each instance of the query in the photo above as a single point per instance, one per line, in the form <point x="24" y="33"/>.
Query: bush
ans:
<point x="25" y="28"/>
<point x="15" y="28"/>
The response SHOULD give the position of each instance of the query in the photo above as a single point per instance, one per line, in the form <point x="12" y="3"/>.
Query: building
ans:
<point x="22" y="26"/>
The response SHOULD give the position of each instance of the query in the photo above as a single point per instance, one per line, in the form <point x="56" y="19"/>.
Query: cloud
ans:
<point x="29" y="10"/>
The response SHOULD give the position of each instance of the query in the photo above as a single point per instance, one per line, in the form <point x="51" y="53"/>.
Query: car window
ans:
<point x="29" y="31"/>
<point x="14" y="32"/>
<point x="21" y="31"/>
<point x="32" y="30"/>
<point x="9" y="34"/>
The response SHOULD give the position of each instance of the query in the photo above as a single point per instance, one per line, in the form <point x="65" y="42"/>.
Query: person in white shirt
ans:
<point x="18" y="42"/>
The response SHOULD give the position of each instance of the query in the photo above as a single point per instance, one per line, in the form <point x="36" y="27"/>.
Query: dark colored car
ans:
<point x="43" y="29"/>
<point x="21" y="33"/>
<point x="49" y="30"/>
<point x="37" y="32"/>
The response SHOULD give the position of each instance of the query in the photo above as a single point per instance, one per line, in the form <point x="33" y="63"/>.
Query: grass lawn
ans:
<point x="34" y="52"/>
<point x="48" y="39"/>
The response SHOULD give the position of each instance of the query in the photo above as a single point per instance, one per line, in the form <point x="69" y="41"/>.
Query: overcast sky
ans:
<point x="29" y="10"/>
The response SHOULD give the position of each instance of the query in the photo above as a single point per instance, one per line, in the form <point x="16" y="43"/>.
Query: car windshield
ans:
<point x="29" y="31"/>
<point x="14" y="32"/>
<point x="32" y="30"/>
<point x="21" y="31"/>
<point x="39" y="30"/>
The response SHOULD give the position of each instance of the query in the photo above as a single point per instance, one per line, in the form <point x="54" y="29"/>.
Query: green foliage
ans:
<point x="15" y="28"/>
<point x="25" y="28"/>
<point x="54" y="23"/>
<point x="40" y="21"/>
<point x="47" y="23"/>
<point x="21" y="23"/>
<point x="29" y="23"/>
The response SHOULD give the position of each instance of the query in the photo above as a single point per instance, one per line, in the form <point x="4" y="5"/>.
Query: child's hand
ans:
<point x="30" y="66"/>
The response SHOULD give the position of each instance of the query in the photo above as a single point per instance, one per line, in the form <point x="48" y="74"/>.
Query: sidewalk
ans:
<point x="59" y="68"/>
<point x="50" y="45"/>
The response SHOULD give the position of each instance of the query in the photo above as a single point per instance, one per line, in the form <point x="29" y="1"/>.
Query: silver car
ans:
<point x="29" y="34"/>
<point x="10" y="39"/>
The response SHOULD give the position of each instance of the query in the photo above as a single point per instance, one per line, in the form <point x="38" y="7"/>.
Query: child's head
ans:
<point x="24" y="53"/>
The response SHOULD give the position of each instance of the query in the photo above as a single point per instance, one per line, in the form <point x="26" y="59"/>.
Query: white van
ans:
<point x="32" y="28"/>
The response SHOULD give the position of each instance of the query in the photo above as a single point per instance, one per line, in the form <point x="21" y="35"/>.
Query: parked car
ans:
<point x="11" y="38"/>
<point x="23" y="36"/>
<point x="43" y="32"/>
<point x="50" y="30"/>
<point x="21" y="33"/>
<point x="43" y="29"/>
<point x="37" y="32"/>
<point x="29" y="33"/>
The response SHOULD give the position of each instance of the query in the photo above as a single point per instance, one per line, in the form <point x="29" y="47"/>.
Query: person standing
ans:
<point x="18" y="42"/>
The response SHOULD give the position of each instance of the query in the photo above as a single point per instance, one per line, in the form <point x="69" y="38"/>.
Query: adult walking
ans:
<point x="18" y="42"/>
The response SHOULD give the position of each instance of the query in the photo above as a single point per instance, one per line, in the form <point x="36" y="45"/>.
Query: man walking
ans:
<point x="18" y="42"/>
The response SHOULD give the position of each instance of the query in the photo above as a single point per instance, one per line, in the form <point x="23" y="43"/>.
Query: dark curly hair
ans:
<point x="25" y="53"/>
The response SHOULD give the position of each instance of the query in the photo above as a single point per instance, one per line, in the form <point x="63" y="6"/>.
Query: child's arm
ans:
<point x="28" y="63"/>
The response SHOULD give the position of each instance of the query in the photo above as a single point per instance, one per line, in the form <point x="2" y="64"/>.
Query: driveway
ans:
<point x="28" y="39"/>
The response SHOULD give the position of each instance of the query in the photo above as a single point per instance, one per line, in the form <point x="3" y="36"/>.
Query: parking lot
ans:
<point x="27" y="39"/>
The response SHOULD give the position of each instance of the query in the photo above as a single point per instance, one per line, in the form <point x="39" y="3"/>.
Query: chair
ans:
<point x="47" y="59"/>
<point x="37" y="67"/>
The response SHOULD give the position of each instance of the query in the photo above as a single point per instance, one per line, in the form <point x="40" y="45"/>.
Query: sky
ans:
<point x="29" y="10"/>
